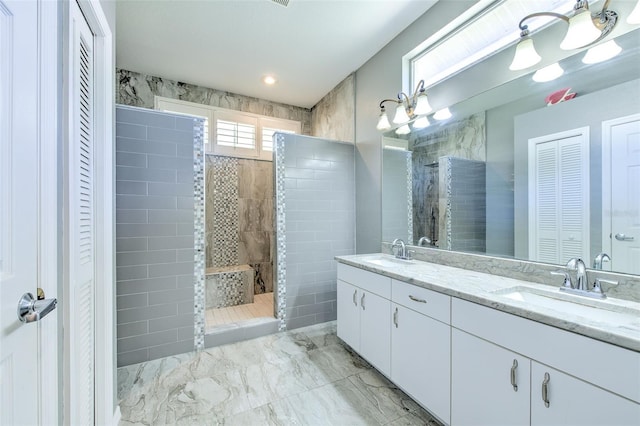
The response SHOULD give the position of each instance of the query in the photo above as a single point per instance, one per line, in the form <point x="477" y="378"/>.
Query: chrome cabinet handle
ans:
<point x="362" y="301"/>
<point x="622" y="237"/>
<point x="395" y="317"/>
<point x="545" y="389"/>
<point x="355" y="293"/>
<point x="415" y="299"/>
<point x="30" y="309"/>
<point x="514" y="367"/>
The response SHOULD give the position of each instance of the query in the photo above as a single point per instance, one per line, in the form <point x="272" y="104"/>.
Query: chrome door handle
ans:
<point x="622" y="237"/>
<point x="30" y="309"/>
<point x="415" y="299"/>
<point x="545" y="389"/>
<point x="362" y="301"/>
<point x="514" y="367"/>
<point x="355" y="302"/>
<point x="395" y="318"/>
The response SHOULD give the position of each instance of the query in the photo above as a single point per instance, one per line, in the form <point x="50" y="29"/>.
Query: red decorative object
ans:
<point x="559" y="96"/>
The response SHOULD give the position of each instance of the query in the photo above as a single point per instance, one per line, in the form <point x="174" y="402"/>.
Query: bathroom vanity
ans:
<point x="475" y="348"/>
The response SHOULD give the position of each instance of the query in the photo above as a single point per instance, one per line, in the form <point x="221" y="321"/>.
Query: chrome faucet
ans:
<point x="424" y="240"/>
<point x="402" y="253"/>
<point x="581" y="273"/>
<point x="600" y="259"/>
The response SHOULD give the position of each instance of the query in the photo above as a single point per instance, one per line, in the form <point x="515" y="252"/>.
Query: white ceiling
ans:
<point x="310" y="45"/>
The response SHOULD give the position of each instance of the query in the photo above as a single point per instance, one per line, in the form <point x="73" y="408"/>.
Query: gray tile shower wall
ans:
<point x="154" y="234"/>
<point x="137" y="89"/>
<point x="318" y="209"/>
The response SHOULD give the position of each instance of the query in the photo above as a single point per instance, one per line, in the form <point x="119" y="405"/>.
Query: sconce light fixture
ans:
<point x="584" y="29"/>
<point x="634" y="16"/>
<point x="407" y="107"/>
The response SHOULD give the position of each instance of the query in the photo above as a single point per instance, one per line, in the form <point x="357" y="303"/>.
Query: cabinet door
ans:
<point x="420" y="359"/>
<point x="375" y="331"/>
<point x="574" y="402"/>
<point x="481" y="383"/>
<point x="348" y="299"/>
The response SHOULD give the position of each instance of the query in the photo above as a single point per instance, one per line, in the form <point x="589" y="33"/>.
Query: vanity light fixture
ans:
<point x="442" y="114"/>
<point x="601" y="52"/>
<point x="269" y="80"/>
<point x="548" y="73"/>
<point x="584" y="29"/>
<point x="407" y="107"/>
<point x="634" y="16"/>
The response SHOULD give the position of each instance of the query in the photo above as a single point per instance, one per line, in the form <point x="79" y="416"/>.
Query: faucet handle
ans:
<point x="410" y="254"/>
<point x="597" y="286"/>
<point x="567" y="280"/>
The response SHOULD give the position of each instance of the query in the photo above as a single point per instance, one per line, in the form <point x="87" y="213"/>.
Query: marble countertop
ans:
<point x="611" y="320"/>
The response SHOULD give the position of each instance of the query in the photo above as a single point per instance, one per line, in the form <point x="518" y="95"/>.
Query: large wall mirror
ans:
<point x="510" y="176"/>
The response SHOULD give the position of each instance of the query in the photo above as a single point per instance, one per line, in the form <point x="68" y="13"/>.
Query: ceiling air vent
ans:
<point x="284" y="3"/>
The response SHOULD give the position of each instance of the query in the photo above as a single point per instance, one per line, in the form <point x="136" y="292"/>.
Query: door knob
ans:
<point x="622" y="237"/>
<point x="30" y="309"/>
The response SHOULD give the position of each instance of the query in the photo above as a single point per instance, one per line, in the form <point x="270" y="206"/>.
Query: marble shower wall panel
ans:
<point x="466" y="138"/>
<point x="155" y="221"/>
<point x="316" y="222"/>
<point x="137" y="89"/>
<point x="333" y="117"/>
<point x="426" y="207"/>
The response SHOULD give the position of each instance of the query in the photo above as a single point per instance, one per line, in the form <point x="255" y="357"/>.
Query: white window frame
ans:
<point x="213" y="114"/>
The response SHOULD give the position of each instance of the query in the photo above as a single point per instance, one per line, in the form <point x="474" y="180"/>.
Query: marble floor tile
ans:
<point x="302" y="377"/>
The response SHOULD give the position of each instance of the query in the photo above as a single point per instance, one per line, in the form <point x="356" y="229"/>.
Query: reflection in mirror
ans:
<point x="509" y="176"/>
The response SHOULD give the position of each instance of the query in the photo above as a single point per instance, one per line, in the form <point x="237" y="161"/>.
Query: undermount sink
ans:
<point x="386" y="261"/>
<point x="592" y="309"/>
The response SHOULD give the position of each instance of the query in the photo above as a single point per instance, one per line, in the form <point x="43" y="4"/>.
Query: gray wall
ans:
<point x="589" y="110"/>
<point x="154" y="234"/>
<point x="319" y="224"/>
<point x="381" y="78"/>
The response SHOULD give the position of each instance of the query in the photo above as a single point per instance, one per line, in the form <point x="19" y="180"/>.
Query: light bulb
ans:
<point x="383" y="121"/>
<point x="401" y="116"/>
<point x="442" y="114"/>
<point x="581" y="31"/>
<point x="602" y="52"/>
<point x="403" y="130"/>
<point x="549" y="73"/>
<point x="422" y="104"/>
<point x="634" y="16"/>
<point x="421" y="123"/>
<point x="525" y="56"/>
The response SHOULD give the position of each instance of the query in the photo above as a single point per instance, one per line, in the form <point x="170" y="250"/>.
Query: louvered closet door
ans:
<point x="559" y="197"/>
<point x="80" y="185"/>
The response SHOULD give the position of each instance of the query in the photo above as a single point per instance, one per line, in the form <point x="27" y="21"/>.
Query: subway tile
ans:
<point x="145" y="230"/>
<point x="131" y="216"/>
<point x="129" y="344"/>
<point x="145" y="285"/>
<point x="146" y="313"/>
<point x="185" y="255"/>
<point x="142" y="146"/>
<point x="300" y="300"/>
<point x="131" y="272"/>
<point x="166" y="135"/>
<point x="131" y="301"/>
<point x="145" y="175"/>
<point x="169" y="323"/>
<point x="186" y="124"/>
<point x="145" y="202"/>
<point x="149" y="118"/>
<point x="185" y="176"/>
<point x="132" y="329"/>
<point x="186" y="333"/>
<point x="309" y="163"/>
<point x="145" y="257"/>
<point x="168" y="296"/>
<point x="171" y="189"/>
<point x="127" y="187"/>
<point x="173" y="163"/>
<point x="184" y="151"/>
<point x="133" y="357"/>
<point x="185" y="229"/>
<point x="186" y="203"/>
<point x="170" y="269"/>
<point x="185" y="281"/>
<point x="131" y="159"/>
<point x="131" y="244"/>
<point x="314" y="309"/>
<point x="170" y="216"/>
<point x="301" y="321"/>
<point x="171" y="242"/>
<point x="185" y="307"/>
<point x="131" y="130"/>
<point x="162" y="351"/>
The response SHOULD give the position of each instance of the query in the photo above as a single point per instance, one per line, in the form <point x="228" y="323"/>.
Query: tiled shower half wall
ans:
<point x="315" y="221"/>
<point x="159" y="234"/>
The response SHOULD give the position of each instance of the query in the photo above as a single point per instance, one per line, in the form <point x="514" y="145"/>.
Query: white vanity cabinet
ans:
<point x="574" y="402"/>
<point x="420" y="346"/>
<point x="363" y="306"/>
<point x="490" y="385"/>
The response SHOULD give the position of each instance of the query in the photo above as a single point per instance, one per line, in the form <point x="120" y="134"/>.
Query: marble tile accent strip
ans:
<point x="199" y="234"/>
<point x="281" y="240"/>
<point x="222" y="216"/>
<point x="306" y="376"/>
<point x="410" y="197"/>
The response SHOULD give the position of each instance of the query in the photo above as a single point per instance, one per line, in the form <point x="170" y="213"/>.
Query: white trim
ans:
<point x="48" y="142"/>
<point x="606" y="176"/>
<point x="104" y="368"/>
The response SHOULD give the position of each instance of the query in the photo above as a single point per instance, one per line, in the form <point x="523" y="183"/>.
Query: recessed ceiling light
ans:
<point x="269" y="80"/>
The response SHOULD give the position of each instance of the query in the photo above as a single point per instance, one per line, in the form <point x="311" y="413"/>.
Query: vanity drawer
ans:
<point x="369" y="281"/>
<point x="433" y="304"/>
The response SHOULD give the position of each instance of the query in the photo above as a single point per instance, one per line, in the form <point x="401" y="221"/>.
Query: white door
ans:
<point x="80" y="222"/>
<point x="624" y="142"/>
<point x="20" y="266"/>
